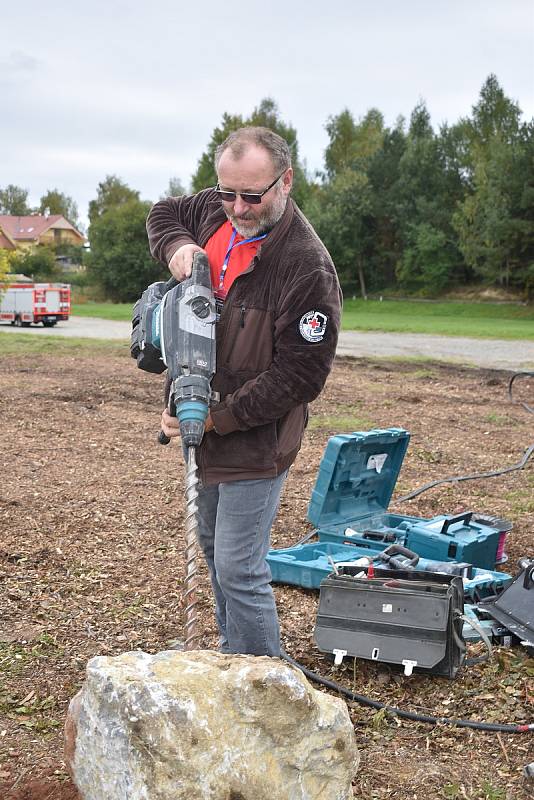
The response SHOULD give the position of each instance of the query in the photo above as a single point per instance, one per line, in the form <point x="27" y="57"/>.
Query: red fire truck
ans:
<point x="25" y="303"/>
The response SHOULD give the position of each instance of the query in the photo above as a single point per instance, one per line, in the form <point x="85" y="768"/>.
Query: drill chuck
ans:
<point x="192" y="417"/>
<point x="191" y="395"/>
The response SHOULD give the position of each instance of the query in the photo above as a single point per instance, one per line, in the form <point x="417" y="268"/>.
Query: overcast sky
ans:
<point x="135" y="89"/>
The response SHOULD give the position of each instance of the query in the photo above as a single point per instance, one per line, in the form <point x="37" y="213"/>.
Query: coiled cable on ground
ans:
<point x="493" y="727"/>
<point x="493" y="473"/>
<point x="514" y="377"/>
<point x="430" y="719"/>
<point x="459" y="478"/>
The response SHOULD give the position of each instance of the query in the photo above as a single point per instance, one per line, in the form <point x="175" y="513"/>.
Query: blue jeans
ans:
<point x="234" y="531"/>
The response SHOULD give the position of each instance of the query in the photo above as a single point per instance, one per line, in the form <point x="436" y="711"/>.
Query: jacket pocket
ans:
<point x="250" y="451"/>
<point x="290" y="430"/>
<point x="248" y="342"/>
<point x="253" y="448"/>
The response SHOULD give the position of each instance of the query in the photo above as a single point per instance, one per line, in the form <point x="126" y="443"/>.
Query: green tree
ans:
<point x="425" y="263"/>
<point x="495" y="220"/>
<point x="39" y="264"/>
<point x="494" y="115"/>
<point x="14" y="201"/>
<point x="6" y="259"/>
<point x="120" y="259"/>
<point x="265" y="115"/>
<point x="430" y="259"/>
<point x="55" y="202"/>
<point x="495" y="223"/>
<point x="111" y="193"/>
<point x="352" y="144"/>
<point x="344" y="210"/>
<point x="383" y="171"/>
<point x="341" y="214"/>
<point x="174" y="189"/>
<point x="339" y="154"/>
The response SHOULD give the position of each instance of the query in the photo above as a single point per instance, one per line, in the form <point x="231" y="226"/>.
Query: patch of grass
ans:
<point x="423" y="360"/>
<point x="492" y="793"/>
<point x="15" y="655"/>
<point x="25" y="344"/>
<point x="343" y="423"/>
<point x="499" y="419"/>
<point x="427" y="456"/>
<point x="30" y="711"/>
<point x="420" y="374"/>
<point x="114" y="311"/>
<point x="451" y="791"/>
<point x="379" y="719"/>
<point x="455" y="791"/>
<point x="478" y="320"/>
<point x="520" y="501"/>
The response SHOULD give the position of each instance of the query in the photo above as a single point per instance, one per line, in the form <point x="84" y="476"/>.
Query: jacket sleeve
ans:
<point x="173" y="222"/>
<point x="300" y="367"/>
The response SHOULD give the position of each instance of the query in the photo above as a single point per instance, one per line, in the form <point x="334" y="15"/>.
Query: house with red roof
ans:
<point x="29" y="231"/>
<point x="6" y="242"/>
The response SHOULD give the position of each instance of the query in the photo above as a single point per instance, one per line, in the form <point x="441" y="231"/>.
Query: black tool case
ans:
<point x="397" y="616"/>
<point x="514" y="607"/>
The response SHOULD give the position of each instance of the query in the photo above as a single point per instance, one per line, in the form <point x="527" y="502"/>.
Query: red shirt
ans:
<point x="240" y="257"/>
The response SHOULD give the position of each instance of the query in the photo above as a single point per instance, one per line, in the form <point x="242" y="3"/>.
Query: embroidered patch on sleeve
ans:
<point x="312" y="326"/>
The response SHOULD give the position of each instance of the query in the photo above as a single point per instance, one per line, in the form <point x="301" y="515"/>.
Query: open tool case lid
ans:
<point x="357" y="475"/>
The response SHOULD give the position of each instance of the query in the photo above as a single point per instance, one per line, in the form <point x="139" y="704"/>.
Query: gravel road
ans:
<point x="490" y="353"/>
<point x="84" y="327"/>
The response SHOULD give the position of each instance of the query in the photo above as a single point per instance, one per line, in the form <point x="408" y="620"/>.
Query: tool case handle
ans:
<point x="466" y="517"/>
<point x="379" y="536"/>
<point x="528" y="580"/>
<point x="393" y="550"/>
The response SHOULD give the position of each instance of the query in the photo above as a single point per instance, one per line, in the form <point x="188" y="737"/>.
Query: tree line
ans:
<point x="401" y="208"/>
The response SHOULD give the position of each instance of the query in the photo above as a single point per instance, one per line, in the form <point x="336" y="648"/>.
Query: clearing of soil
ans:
<point x="91" y="559"/>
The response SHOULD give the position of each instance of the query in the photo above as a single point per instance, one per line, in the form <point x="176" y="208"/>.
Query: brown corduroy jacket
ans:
<point x="276" y="338"/>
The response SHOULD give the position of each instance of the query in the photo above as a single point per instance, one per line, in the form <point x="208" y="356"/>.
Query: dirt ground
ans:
<point x="91" y="559"/>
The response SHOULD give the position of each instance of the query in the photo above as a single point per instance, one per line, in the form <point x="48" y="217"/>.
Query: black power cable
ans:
<point x="459" y="478"/>
<point x="494" y="727"/>
<point x="510" y="389"/>
<point x="493" y="473"/>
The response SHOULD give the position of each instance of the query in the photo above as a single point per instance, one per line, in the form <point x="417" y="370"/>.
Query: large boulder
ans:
<point x="203" y="725"/>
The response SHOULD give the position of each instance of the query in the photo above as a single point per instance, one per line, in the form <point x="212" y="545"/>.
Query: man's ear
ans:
<point x="287" y="181"/>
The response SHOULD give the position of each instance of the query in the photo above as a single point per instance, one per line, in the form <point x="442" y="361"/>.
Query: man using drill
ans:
<point x="279" y="303"/>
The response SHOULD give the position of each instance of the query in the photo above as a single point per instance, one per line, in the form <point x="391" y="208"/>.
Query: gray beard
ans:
<point x="262" y="224"/>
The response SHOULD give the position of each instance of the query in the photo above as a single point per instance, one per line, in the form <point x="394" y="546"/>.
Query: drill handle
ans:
<point x="162" y="437"/>
<point x="170" y="284"/>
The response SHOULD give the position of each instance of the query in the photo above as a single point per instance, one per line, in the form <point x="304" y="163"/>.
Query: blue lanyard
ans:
<point x="231" y="246"/>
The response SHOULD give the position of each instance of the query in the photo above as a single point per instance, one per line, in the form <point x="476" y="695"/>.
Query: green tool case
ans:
<point x="398" y="617"/>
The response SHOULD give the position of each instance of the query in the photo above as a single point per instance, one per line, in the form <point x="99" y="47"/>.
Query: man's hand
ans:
<point x="171" y="427"/>
<point x="208" y="425"/>
<point x="181" y="263"/>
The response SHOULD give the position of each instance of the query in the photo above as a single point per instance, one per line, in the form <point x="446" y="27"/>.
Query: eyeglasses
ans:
<point x="251" y="198"/>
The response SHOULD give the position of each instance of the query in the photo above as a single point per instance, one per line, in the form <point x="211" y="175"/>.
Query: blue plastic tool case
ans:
<point x="356" y="480"/>
<point x="450" y="538"/>
<point x="307" y="565"/>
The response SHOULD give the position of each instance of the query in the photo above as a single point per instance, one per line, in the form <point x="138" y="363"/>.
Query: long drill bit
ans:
<point x="190" y="593"/>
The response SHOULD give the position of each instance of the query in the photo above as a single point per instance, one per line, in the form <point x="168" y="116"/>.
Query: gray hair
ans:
<point x="240" y="140"/>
